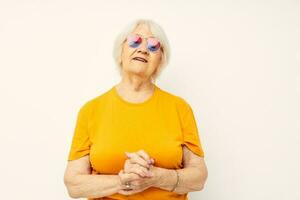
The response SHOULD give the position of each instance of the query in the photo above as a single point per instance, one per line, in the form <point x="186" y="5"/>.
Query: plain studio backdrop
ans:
<point x="236" y="62"/>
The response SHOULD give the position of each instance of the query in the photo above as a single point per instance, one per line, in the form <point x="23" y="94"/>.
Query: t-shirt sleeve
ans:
<point x="190" y="133"/>
<point x="80" y="145"/>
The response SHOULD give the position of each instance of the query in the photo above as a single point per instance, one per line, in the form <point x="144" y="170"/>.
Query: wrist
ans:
<point x="177" y="181"/>
<point x="166" y="179"/>
<point x="157" y="176"/>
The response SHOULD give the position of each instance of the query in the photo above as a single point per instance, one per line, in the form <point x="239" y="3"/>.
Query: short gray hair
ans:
<point x="156" y="30"/>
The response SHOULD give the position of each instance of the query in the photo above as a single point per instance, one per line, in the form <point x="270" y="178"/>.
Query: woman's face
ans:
<point x="130" y="64"/>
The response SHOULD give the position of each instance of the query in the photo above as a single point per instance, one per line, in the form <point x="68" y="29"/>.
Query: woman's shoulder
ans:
<point x="101" y="98"/>
<point x="171" y="97"/>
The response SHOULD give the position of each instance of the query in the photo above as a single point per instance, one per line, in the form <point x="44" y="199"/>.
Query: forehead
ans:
<point x="143" y="29"/>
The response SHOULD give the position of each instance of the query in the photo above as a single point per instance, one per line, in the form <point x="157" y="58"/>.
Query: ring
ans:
<point x="127" y="185"/>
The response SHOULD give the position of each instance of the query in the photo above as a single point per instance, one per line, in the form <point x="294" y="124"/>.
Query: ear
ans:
<point x="120" y="56"/>
<point x="120" y="61"/>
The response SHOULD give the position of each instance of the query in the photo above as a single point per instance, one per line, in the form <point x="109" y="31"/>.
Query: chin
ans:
<point x="136" y="67"/>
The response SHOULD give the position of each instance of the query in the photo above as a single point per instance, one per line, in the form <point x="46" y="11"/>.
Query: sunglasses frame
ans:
<point x="144" y="38"/>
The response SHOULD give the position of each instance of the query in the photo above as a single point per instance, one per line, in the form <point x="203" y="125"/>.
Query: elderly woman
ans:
<point x="136" y="140"/>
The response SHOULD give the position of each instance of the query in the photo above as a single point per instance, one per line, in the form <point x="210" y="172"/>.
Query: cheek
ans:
<point x="156" y="59"/>
<point x="126" y="51"/>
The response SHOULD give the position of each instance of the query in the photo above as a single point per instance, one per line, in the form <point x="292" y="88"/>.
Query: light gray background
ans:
<point x="235" y="62"/>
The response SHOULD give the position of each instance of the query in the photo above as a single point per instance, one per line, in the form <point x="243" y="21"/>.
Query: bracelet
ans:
<point x="176" y="181"/>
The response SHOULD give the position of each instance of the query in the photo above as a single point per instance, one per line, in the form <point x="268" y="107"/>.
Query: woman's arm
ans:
<point x="191" y="178"/>
<point x="81" y="184"/>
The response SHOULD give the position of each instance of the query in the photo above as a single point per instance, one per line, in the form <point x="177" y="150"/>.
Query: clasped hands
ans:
<point x="138" y="172"/>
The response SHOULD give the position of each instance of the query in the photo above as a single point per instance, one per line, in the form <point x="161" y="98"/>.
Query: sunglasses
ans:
<point x="134" y="41"/>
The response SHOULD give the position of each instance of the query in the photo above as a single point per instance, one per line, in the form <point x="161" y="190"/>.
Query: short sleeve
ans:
<point x="190" y="133"/>
<point x="80" y="145"/>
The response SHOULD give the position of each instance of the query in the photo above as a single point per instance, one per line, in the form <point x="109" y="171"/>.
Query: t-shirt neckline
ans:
<point x="147" y="101"/>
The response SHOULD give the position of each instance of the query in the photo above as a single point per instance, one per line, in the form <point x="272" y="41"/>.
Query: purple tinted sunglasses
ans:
<point x="134" y="41"/>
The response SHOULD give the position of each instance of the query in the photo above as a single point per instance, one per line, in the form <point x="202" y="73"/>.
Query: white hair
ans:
<point x="156" y="30"/>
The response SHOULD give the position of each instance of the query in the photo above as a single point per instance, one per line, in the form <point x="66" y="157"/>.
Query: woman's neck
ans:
<point x="135" y="90"/>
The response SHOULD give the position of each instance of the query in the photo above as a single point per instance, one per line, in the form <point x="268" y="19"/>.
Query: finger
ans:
<point x="137" y="169"/>
<point x="129" y="177"/>
<point x="128" y="154"/>
<point x="143" y="173"/>
<point x="129" y="192"/>
<point x="132" y="187"/>
<point x="144" y="155"/>
<point x="152" y="161"/>
<point x="126" y="192"/>
<point x="146" y="171"/>
<point x="135" y="158"/>
<point x="129" y="164"/>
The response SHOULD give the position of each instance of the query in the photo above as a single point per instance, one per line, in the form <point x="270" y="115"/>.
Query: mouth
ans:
<point x="140" y="59"/>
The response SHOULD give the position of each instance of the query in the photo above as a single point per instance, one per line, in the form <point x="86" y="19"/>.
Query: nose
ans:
<point x="143" y="48"/>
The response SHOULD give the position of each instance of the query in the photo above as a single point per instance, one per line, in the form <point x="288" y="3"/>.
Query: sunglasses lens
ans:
<point x="153" y="44"/>
<point x="134" y="40"/>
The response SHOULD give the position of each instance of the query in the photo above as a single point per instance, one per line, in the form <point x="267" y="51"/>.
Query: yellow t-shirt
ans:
<point x="108" y="126"/>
